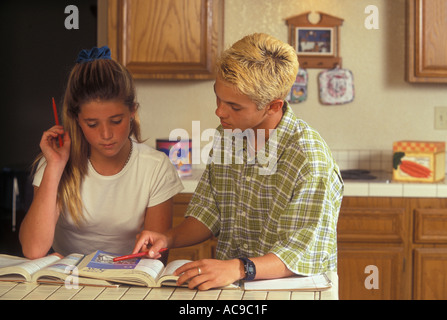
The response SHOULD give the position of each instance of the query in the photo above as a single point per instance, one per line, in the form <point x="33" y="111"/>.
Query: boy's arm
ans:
<point x="211" y="273"/>
<point x="188" y="233"/>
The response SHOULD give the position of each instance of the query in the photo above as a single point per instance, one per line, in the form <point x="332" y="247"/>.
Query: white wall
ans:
<point x="386" y="108"/>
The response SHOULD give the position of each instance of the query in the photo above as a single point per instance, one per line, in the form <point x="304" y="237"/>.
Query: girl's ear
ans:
<point x="133" y="110"/>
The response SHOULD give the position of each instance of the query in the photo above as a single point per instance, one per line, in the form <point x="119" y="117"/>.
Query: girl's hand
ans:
<point x="49" y="144"/>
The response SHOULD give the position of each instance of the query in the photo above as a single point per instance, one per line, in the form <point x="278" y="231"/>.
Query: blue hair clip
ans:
<point x="94" y="54"/>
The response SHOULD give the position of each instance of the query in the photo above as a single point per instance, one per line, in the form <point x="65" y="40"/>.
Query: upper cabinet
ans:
<point x="427" y="41"/>
<point x="169" y="39"/>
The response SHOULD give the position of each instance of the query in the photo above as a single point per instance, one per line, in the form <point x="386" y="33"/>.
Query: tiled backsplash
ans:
<point x="374" y="160"/>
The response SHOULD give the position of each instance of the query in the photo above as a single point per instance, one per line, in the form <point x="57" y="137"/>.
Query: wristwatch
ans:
<point x="249" y="269"/>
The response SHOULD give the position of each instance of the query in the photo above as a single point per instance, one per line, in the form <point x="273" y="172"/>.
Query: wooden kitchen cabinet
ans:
<point x="374" y="232"/>
<point x="172" y="39"/>
<point x="354" y="271"/>
<point x="430" y="266"/>
<point x="430" y="250"/>
<point x="427" y="41"/>
<point x="405" y="238"/>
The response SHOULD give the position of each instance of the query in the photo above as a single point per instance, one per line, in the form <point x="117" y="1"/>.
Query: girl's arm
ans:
<point x="37" y="230"/>
<point x="159" y="219"/>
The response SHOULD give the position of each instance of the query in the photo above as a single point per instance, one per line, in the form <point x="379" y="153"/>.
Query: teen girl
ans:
<point x="103" y="186"/>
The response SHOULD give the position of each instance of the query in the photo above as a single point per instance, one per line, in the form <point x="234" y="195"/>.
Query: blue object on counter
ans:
<point x="180" y="154"/>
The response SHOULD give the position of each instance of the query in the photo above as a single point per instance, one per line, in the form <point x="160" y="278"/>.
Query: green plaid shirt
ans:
<point x="292" y="211"/>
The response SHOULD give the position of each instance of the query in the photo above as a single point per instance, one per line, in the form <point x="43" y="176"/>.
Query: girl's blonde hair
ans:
<point x="97" y="80"/>
<point x="260" y="67"/>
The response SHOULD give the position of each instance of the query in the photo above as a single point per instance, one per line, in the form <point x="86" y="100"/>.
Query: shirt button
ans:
<point x="245" y="246"/>
<point x="248" y="179"/>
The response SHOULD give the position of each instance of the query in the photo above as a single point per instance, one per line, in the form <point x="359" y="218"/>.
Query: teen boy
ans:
<point x="272" y="220"/>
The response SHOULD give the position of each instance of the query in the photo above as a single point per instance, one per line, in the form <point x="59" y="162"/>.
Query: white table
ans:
<point x="34" y="291"/>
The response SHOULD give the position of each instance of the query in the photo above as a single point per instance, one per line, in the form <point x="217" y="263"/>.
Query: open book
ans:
<point x="137" y="271"/>
<point x="96" y="269"/>
<point x="295" y="283"/>
<point x="50" y="269"/>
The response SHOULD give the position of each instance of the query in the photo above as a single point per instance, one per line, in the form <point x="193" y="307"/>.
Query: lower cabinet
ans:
<point x="430" y="269"/>
<point x="373" y="273"/>
<point x="388" y="248"/>
<point x="430" y="252"/>
<point x="392" y="248"/>
<point x="373" y="249"/>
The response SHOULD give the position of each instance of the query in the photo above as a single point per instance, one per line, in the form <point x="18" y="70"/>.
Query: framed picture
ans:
<point x="315" y="41"/>
<point x="317" y="44"/>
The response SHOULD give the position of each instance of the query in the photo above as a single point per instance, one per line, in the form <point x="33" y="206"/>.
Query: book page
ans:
<point x="32" y="266"/>
<point x="9" y="261"/>
<point x="150" y="266"/>
<point x="290" y="283"/>
<point x="69" y="261"/>
<point x="172" y="266"/>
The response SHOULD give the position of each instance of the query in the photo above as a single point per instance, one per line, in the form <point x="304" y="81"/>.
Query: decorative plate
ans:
<point x="336" y="86"/>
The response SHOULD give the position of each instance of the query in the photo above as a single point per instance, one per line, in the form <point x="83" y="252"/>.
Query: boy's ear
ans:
<point x="275" y="106"/>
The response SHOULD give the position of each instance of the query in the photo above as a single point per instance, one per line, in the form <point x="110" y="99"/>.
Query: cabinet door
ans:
<point x="430" y="226"/>
<point x="171" y="39"/>
<point x="382" y="225"/>
<point x="373" y="273"/>
<point x="430" y="266"/>
<point x="427" y="41"/>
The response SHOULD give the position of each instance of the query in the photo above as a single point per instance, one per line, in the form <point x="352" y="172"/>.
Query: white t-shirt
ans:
<point x="115" y="206"/>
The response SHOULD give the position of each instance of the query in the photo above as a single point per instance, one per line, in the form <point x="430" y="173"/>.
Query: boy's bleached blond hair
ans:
<point x="260" y="67"/>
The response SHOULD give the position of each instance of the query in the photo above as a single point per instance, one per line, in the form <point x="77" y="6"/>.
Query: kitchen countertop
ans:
<point x="382" y="186"/>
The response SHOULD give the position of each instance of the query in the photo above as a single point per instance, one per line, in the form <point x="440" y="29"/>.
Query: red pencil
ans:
<point x="61" y="143"/>
<point x="136" y="255"/>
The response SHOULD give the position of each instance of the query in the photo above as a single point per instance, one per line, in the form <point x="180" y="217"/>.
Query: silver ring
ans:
<point x="198" y="269"/>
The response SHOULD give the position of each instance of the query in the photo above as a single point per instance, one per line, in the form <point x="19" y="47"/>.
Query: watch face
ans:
<point x="250" y="269"/>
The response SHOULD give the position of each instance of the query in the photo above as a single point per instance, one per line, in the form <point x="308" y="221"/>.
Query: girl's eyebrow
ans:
<point x="111" y="117"/>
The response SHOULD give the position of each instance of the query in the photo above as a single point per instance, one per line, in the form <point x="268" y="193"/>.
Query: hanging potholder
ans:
<point x="336" y="86"/>
<point x="298" y="93"/>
